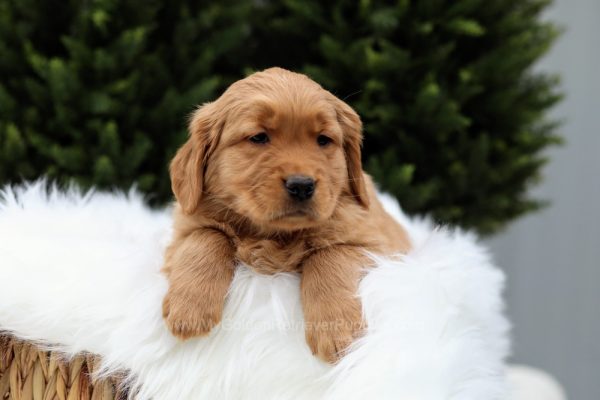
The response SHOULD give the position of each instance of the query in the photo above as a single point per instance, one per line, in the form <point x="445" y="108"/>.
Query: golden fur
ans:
<point x="233" y="207"/>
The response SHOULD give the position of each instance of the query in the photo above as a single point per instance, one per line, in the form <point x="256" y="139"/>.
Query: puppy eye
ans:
<point x="260" y="138"/>
<point x="323" y="140"/>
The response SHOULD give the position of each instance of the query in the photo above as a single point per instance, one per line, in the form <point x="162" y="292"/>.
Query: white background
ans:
<point x="552" y="258"/>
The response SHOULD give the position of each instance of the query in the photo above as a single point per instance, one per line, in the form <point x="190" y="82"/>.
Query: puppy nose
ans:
<point x="300" y="187"/>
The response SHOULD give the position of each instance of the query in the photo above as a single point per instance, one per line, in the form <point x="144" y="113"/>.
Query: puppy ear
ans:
<point x="188" y="165"/>
<point x="352" y="127"/>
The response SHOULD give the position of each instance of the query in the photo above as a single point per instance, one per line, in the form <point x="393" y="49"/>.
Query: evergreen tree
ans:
<point x="454" y="119"/>
<point x="99" y="91"/>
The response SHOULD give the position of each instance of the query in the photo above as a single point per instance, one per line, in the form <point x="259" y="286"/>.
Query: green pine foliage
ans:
<point x="98" y="92"/>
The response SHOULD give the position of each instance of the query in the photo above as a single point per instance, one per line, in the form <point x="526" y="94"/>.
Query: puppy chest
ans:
<point x="270" y="256"/>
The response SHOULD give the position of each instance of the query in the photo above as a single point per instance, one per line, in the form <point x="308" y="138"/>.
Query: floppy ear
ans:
<point x="352" y="127"/>
<point x="188" y="165"/>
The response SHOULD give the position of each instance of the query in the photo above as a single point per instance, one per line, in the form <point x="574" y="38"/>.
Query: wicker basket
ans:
<point x="28" y="373"/>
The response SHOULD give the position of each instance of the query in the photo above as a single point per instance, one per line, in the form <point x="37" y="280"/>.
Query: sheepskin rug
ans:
<point x="80" y="272"/>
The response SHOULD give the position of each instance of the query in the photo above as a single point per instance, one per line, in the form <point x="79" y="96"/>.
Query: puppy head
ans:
<point x="275" y="148"/>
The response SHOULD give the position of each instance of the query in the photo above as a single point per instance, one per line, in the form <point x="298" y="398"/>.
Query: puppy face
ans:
<point x="275" y="148"/>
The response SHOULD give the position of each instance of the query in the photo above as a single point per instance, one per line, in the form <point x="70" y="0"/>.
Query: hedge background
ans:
<point x="98" y="91"/>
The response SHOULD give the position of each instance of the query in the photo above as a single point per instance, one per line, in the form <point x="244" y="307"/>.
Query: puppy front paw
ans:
<point x="190" y="316"/>
<point x="329" y="334"/>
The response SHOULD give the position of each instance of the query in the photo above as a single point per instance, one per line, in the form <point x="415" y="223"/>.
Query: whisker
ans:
<point x="352" y="94"/>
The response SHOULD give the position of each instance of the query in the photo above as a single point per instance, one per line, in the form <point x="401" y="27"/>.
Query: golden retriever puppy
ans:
<point x="271" y="176"/>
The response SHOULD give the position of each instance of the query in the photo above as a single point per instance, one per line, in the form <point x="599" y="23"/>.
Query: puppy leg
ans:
<point x="332" y="309"/>
<point x="199" y="268"/>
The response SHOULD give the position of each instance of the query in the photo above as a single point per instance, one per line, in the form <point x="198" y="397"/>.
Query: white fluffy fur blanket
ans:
<point x="81" y="271"/>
